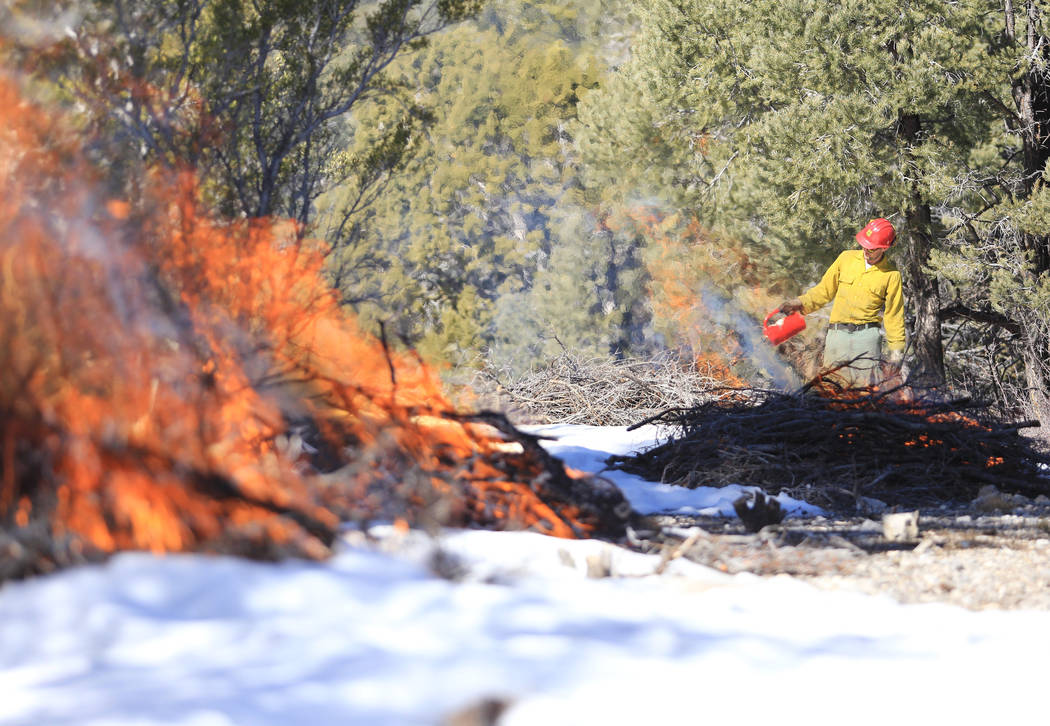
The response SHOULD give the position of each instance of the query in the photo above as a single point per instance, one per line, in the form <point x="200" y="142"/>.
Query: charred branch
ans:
<point x="957" y="311"/>
<point x="590" y="500"/>
<point x="832" y="447"/>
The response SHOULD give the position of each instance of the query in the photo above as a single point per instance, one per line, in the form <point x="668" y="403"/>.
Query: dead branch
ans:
<point x="913" y="450"/>
<point x="599" y="392"/>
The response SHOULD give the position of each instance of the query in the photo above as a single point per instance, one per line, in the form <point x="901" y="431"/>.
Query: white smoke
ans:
<point x="724" y="312"/>
<point x="40" y="28"/>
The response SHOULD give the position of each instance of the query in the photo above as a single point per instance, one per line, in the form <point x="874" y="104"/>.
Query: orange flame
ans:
<point x="682" y="254"/>
<point x="155" y="358"/>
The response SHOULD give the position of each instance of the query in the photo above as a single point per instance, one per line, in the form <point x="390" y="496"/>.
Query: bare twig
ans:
<point x="910" y="448"/>
<point x="600" y="392"/>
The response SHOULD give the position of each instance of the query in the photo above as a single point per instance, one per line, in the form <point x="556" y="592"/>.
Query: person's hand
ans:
<point x="891" y="366"/>
<point x="794" y="305"/>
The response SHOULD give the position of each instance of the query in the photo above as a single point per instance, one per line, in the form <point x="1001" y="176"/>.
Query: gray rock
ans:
<point x="901" y="526"/>
<point x="990" y="499"/>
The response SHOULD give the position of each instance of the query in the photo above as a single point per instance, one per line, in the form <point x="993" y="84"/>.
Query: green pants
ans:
<point x="860" y="349"/>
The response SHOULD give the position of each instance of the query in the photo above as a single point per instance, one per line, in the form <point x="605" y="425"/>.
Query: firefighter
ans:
<point x="862" y="283"/>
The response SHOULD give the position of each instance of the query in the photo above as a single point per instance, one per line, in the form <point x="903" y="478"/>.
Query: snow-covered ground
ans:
<point x="376" y="638"/>
<point x="587" y="447"/>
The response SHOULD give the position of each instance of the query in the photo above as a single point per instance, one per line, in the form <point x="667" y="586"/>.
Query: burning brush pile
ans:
<point x="831" y="447"/>
<point x="174" y="382"/>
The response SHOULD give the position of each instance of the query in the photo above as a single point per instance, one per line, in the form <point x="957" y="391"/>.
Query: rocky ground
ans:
<point x="993" y="553"/>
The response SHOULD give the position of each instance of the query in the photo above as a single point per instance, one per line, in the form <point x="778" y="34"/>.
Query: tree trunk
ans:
<point x="1035" y="378"/>
<point x="1031" y="96"/>
<point x="921" y="289"/>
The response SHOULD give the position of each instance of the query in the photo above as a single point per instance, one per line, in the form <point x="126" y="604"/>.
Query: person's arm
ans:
<point x="820" y="294"/>
<point x="893" y="317"/>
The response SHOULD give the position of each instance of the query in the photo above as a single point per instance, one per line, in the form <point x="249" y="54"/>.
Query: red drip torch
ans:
<point x="783" y="328"/>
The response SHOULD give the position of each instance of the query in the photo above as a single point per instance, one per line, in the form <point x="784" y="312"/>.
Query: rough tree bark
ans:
<point x="1031" y="97"/>
<point x="922" y="289"/>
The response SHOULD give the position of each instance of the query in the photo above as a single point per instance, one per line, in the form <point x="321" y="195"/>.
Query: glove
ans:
<point x="794" y="305"/>
<point x="892" y="365"/>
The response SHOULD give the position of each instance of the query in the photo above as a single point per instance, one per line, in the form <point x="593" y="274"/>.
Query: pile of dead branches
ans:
<point x="831" y="449"/>
<point x="174" y="381"/>
<point x="601" y="392"/>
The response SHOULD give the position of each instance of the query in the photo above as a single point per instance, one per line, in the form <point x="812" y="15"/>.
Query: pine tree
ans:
<point x="248" y="94"/>
<point x="590" y="297"/>
<point x="997" y="262"/>
<point x="794" y="122"/>
<point x="493" y="208"/>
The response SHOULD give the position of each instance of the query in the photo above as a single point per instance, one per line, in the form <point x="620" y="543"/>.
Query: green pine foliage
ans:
<point x="788" y="124"/>
<point x="248" y="94"/>
<point x="590" y="297"/>
<point x="781" y="119"/>
<point x="485" y="242"/>
<point x="473" y="178"/>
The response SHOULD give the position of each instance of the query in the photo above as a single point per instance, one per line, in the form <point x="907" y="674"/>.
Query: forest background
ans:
<point x="499" y="182"/>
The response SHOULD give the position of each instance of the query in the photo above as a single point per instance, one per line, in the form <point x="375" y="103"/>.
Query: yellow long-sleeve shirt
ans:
<point x="860" y="294"/>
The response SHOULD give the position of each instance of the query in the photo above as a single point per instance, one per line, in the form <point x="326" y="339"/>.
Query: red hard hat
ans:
<point x="877" y="235"/>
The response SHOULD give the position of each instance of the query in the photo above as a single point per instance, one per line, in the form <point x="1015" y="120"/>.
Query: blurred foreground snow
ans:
<point x="374" y="637"/>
